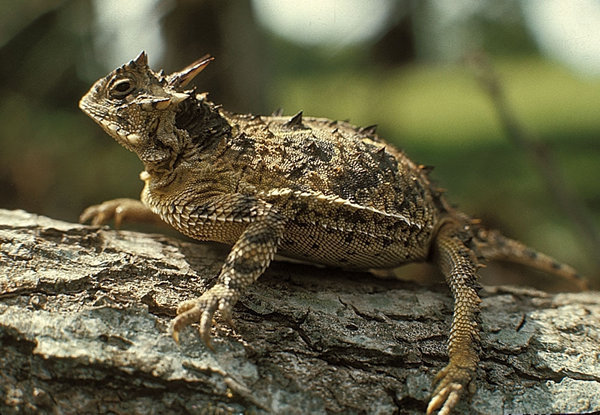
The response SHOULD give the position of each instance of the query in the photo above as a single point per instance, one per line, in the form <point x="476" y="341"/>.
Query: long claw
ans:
<point x="206" y="340"/>
<point x="85" y="216"/>
<point x="448" y="396"/>
<point x="434" y="404"/>
<point x="206" y="321"/>
<point x="451" y="400"/>
<point x="227" y="318"/>
<point x="175" y="335"/>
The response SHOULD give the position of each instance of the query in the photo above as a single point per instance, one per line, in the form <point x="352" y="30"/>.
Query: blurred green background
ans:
<point x="398" y="64"/>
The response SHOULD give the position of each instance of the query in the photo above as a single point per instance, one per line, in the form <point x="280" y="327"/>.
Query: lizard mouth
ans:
<point x="120" y="134"/>
<point x="110" y="127"/>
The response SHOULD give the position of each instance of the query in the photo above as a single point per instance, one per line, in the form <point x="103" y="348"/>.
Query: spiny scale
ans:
<point x="295" y="121"/>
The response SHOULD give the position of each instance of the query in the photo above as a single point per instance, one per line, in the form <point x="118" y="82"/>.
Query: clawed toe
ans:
<point x="451" y="382"/>
<point x="192" y="312"/>
<point x="119" y="210"/>
<point x="202" y="311"/>
<point x="448" y="396"/>
<point x="102" y="213"/>
<point x="95" y="214"/>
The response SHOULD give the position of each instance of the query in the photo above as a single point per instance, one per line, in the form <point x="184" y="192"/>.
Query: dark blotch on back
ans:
<point x="319" y="150"/>
<point x="202" y="125"/>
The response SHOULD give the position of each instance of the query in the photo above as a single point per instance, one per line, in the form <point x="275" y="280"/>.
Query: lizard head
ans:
<point x="132" y="102"/>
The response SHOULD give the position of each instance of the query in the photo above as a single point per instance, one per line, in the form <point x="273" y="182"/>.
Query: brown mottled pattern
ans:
<point x="319" y="190"/>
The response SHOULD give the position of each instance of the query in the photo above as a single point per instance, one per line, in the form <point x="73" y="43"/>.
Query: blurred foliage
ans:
<point x="55" y="161"/>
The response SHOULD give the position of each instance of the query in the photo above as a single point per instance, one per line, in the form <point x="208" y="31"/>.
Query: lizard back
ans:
<point x="349" y="199"/>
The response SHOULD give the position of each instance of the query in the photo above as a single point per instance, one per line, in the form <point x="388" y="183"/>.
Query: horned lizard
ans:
<point x="310" y="188"/>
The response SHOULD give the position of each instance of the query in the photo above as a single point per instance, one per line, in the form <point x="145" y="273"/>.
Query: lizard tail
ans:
<point x="493" y="246"/>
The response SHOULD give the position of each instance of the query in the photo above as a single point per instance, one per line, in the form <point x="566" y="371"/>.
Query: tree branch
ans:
<point x="540" y="156"/>
<point x="83" y="328"/>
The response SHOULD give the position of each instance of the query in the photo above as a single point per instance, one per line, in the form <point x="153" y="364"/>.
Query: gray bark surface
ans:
<point x="84" y="315"/>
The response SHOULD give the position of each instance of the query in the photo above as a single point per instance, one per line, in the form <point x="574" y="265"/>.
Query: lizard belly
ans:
<point x="330" y="230"/>
<point x="347" y="249"/>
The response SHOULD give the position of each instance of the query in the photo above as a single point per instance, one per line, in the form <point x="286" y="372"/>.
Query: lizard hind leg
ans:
<point x="459" y="265"/>
<point x="249" y="258"/>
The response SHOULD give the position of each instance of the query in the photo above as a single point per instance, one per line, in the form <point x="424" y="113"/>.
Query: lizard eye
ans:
<point x="122" y="88"/>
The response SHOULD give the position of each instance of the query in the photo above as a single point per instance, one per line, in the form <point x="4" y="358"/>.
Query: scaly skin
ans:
<point x="310" y="188"/>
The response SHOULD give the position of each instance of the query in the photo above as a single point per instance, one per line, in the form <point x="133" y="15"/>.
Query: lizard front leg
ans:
<point x="120" y="210"/>
<point x="248" y="259"/>
<point x="459" y="265"/>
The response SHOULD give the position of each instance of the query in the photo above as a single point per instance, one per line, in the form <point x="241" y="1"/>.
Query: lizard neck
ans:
<point x="194" y="129"/>
<point x="203" y="123"/>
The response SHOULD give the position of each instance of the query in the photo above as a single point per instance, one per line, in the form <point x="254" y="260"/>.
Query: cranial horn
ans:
<point x="142" y="59"/>
<point x="182" y="78"/>
<point x="177" y="97"/>
<point x="150" y="104"/>
<point x="135" y="64"/>
<point x="174" y="99"/>
<point x="163" y="102"/>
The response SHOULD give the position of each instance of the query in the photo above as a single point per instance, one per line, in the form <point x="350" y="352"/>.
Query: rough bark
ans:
<point x="84" y="316"/>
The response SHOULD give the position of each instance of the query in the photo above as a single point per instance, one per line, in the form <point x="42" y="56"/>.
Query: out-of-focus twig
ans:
<point x="541" y="158"/>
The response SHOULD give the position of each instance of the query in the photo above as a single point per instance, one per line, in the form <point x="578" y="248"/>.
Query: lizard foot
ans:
<point x="451" y="382"/>
<point x="118" y="209"/>
<point x="202" y="310"/>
